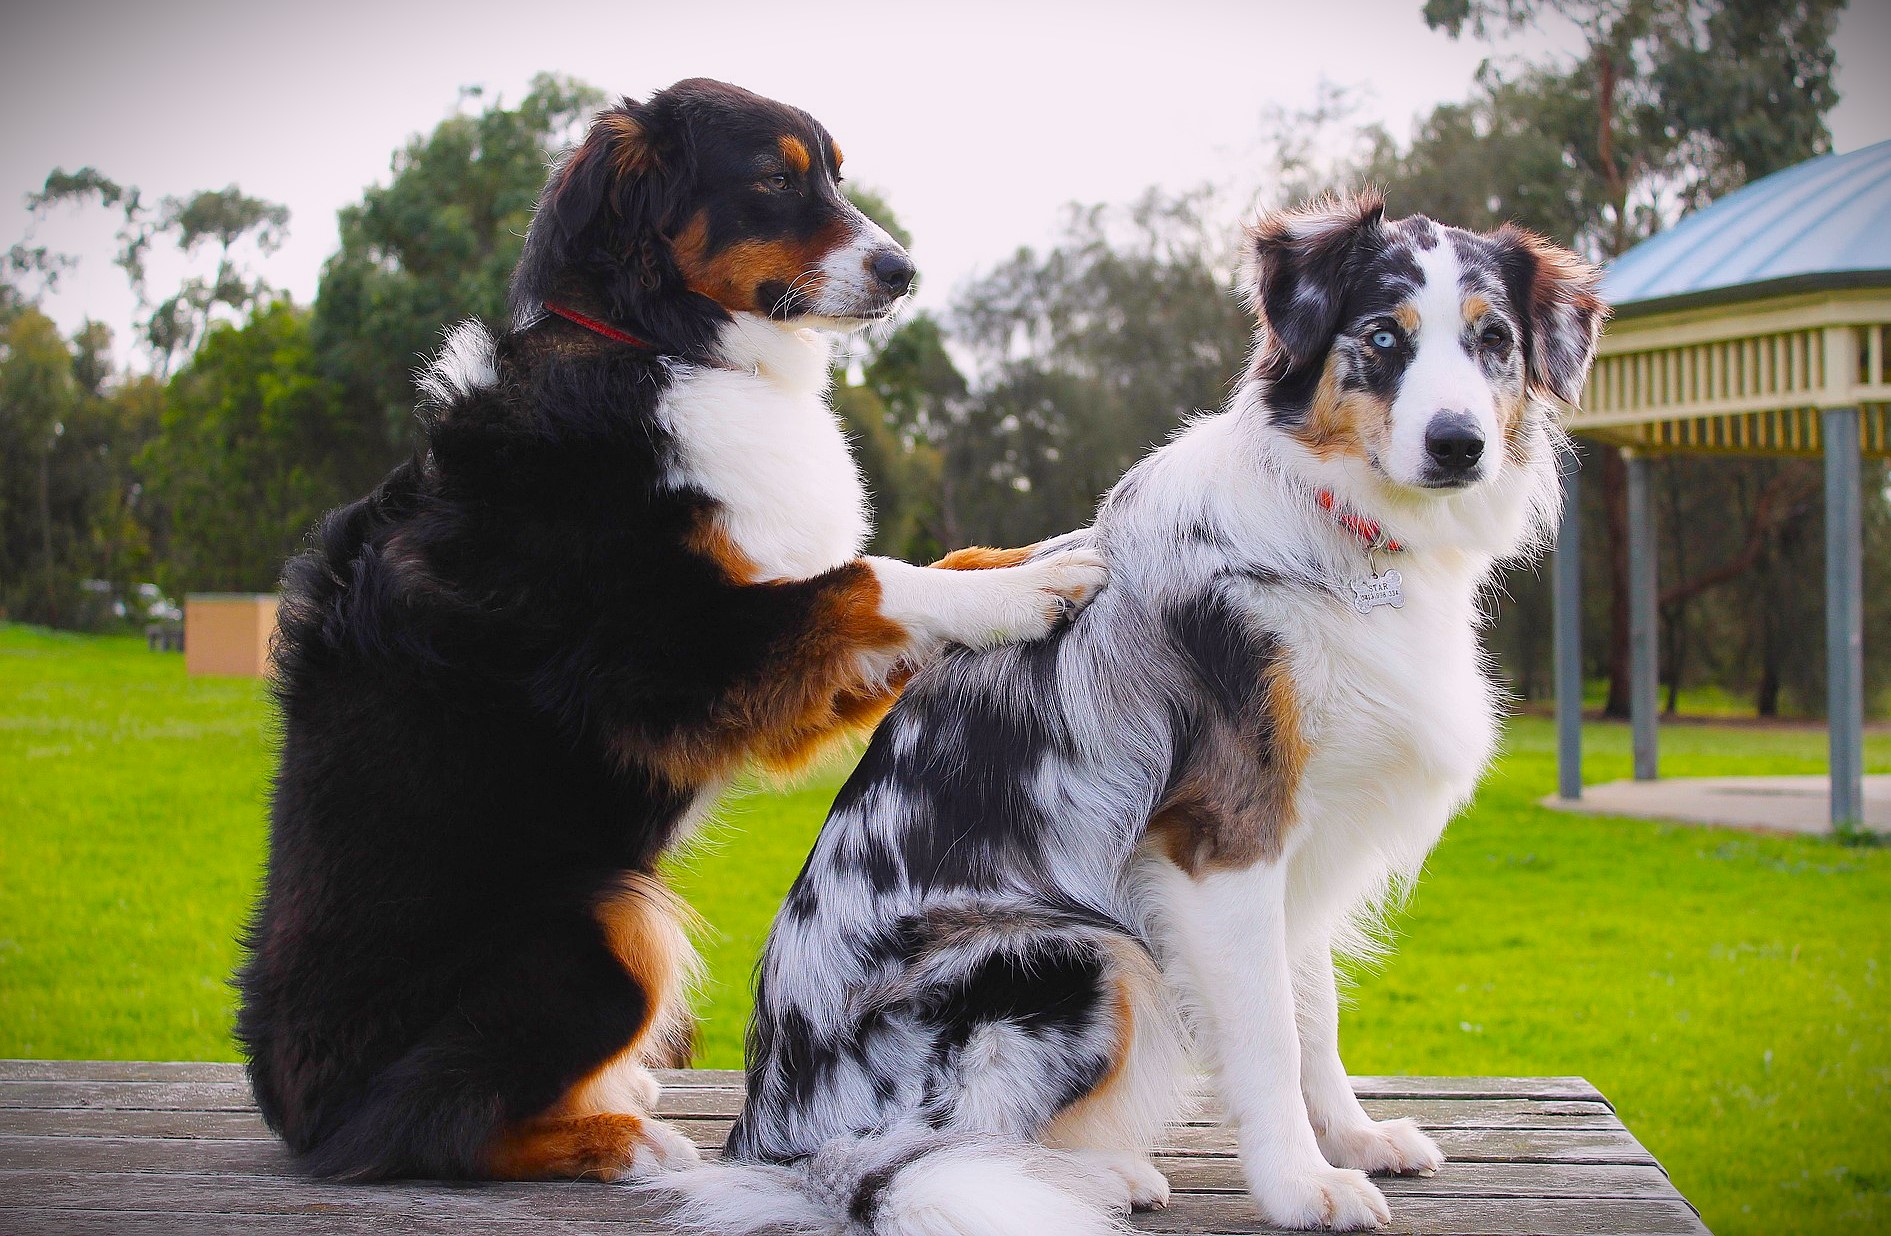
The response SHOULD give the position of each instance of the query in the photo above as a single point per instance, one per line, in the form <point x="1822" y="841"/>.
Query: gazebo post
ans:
<point x="1566" y="592"/>
<point x="1643" y="627"/>
<point x="1844" y="616"/>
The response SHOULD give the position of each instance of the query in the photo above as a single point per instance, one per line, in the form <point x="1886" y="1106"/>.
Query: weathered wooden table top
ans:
<point x="101" y="1147"/>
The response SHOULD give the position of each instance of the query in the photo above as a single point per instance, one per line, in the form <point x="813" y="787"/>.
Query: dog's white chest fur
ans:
<point x="760" y="439"/>
<point x="1399" y="717"/>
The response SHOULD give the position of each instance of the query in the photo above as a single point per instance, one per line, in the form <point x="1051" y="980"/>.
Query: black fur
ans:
<point x="465" y="656"/>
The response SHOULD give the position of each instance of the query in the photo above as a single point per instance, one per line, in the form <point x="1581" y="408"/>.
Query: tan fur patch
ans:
<point x="1474" y="307"/>
<point x="811" y="694"/>
<point x="795" y="151"/>
<point x="630" y="152"/>
<point x="600" y="1147"/>
<point x="1407" y="318"/>
<point x="734" y="275"/>
<point x="709" y="539"/>
<point x="1341" y="422"/>
<point x="838" y="157"/>
<point x="1234" y="803"/>
<point x="646" y="928"/>
<point x="979" y="558"/>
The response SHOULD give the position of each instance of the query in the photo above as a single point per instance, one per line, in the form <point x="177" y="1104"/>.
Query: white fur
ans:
<point x="1443" y="376"/>
<point x="463" y="367"/>
<point x="759" y="438"/>
<point x="849" y="289"/>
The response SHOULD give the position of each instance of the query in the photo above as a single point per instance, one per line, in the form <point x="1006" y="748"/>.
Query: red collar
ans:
<point x="598" y="328"/>
<point x="1367" y="530"/>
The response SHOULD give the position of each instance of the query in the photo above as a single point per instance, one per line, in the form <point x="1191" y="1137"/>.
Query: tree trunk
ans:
<point x="46" y="532"/>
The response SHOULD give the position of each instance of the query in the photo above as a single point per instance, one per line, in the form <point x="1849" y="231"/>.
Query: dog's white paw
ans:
<point x="659" y="1148"/>
<point x="1339" y="1198"/>
<point x="1036" y="598"/>
<point x="1147" y="1188"/>
<point x="1398" y="1147"/>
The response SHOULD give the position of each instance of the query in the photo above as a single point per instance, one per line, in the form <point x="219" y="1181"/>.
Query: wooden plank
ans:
<point x="119" y="1070"/>
<point x="1223" y="1174"/>
<point x="231" y="1160"/>
<point x="1213" y="1215"/>
<point x="42" y="1221"/>
<point x="693" y="1098"/>
<point x="555" y="1205"/>
<point x="93" y="1122"/>
<point x="1570" y="1088"/>
<point x="1614" y="1145"/>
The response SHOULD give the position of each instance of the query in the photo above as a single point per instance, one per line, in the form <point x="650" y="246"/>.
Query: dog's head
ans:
<point x="1418" y="351"/>
<point x="702" y="202"/>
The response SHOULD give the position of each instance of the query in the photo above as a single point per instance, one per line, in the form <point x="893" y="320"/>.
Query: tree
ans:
<point x="1088" y="356"/>
<point x="252" y="437"/>
<point x="37" y="393"/>
<point x="433" y="246"/>
<point x="219" y="219"/>
<point x="1670" y="104"/>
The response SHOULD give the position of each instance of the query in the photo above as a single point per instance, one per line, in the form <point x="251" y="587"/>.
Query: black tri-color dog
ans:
<point x="625" y="563"/>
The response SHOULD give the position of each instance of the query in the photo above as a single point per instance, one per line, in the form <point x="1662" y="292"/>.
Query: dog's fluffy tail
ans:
<point x="916" y="1182"/>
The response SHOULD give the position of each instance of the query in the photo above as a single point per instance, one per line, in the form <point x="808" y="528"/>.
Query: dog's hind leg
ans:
<point x="1118" y="1121"/>
<point x="537" y="1071"/>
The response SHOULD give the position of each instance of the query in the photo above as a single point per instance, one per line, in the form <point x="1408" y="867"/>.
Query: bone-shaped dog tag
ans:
<point x="1377" y="590"/>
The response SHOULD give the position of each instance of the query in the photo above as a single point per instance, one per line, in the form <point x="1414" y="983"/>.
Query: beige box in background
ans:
<point x="228" y="632"/>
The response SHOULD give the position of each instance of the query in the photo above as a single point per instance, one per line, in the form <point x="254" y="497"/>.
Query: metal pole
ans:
<point x="1566" y="590"/>
<point x="1643" y="622"/>
<point x="1844" y="616"/>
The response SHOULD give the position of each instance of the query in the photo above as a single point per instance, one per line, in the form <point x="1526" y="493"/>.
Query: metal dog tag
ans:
<point x="1377" y="590"/>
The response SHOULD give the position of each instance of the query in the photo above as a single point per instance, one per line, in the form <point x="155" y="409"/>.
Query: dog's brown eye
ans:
<point x="1495" y="338"/>
<point x="778" y="181"/>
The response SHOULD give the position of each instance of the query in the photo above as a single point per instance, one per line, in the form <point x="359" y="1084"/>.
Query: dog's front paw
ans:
<point x="1338" y="1198"/>
<point x="1398" y="1147"/>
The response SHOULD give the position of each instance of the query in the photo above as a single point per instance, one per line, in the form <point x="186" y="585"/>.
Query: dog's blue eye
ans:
<point x="1384" y="340"/>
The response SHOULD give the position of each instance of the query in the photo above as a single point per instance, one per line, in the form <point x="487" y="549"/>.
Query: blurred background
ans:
<point x="234" y="232"/>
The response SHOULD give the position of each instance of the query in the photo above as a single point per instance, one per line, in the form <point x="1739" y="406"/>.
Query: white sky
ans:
<point x="979" y="120"/>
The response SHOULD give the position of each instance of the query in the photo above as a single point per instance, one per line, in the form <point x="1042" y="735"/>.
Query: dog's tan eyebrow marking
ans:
<point x="1407" y="317"/>
<point x="1475" y="307"/>
<point x="795" y="151"/>
<point x="838" y="157"/>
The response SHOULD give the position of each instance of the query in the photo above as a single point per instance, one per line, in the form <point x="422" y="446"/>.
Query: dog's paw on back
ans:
<point x="1042" y="595"/>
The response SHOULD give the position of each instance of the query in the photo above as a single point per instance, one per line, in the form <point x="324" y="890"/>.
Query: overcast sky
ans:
<point x="978" y="120"/>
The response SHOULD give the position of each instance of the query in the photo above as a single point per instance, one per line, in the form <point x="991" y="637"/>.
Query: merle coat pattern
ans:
<point x="1062" y="869"/>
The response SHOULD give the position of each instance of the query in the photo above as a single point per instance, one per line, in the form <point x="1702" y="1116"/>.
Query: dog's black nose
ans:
<point x="893" y="269"/>
<point x="1454" y="442"/>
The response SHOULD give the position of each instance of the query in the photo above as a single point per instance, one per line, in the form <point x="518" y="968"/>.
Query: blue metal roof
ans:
<point x="1822" y="223"/>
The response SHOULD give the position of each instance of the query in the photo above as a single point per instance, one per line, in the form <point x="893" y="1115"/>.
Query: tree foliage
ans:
<point x="1086" y="356"/>
<point x="435" y="245"/>
<point x="220" y="220"/>
<point x="252" y="441"/>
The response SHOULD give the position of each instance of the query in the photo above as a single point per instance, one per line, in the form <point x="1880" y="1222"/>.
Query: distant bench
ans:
<point x="107" y="1148"/>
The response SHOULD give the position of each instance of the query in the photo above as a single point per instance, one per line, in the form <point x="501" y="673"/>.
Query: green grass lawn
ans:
<point x="1728" y="992"/>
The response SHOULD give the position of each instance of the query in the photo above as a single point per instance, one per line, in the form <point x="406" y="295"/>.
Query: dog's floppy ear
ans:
<point x="1558" y="297"/>
<point x="599" y="176"/>
<point x="1297" y="263"/>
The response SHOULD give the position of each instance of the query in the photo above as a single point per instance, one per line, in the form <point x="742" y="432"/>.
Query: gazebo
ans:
<point x="1759" y="325"/>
